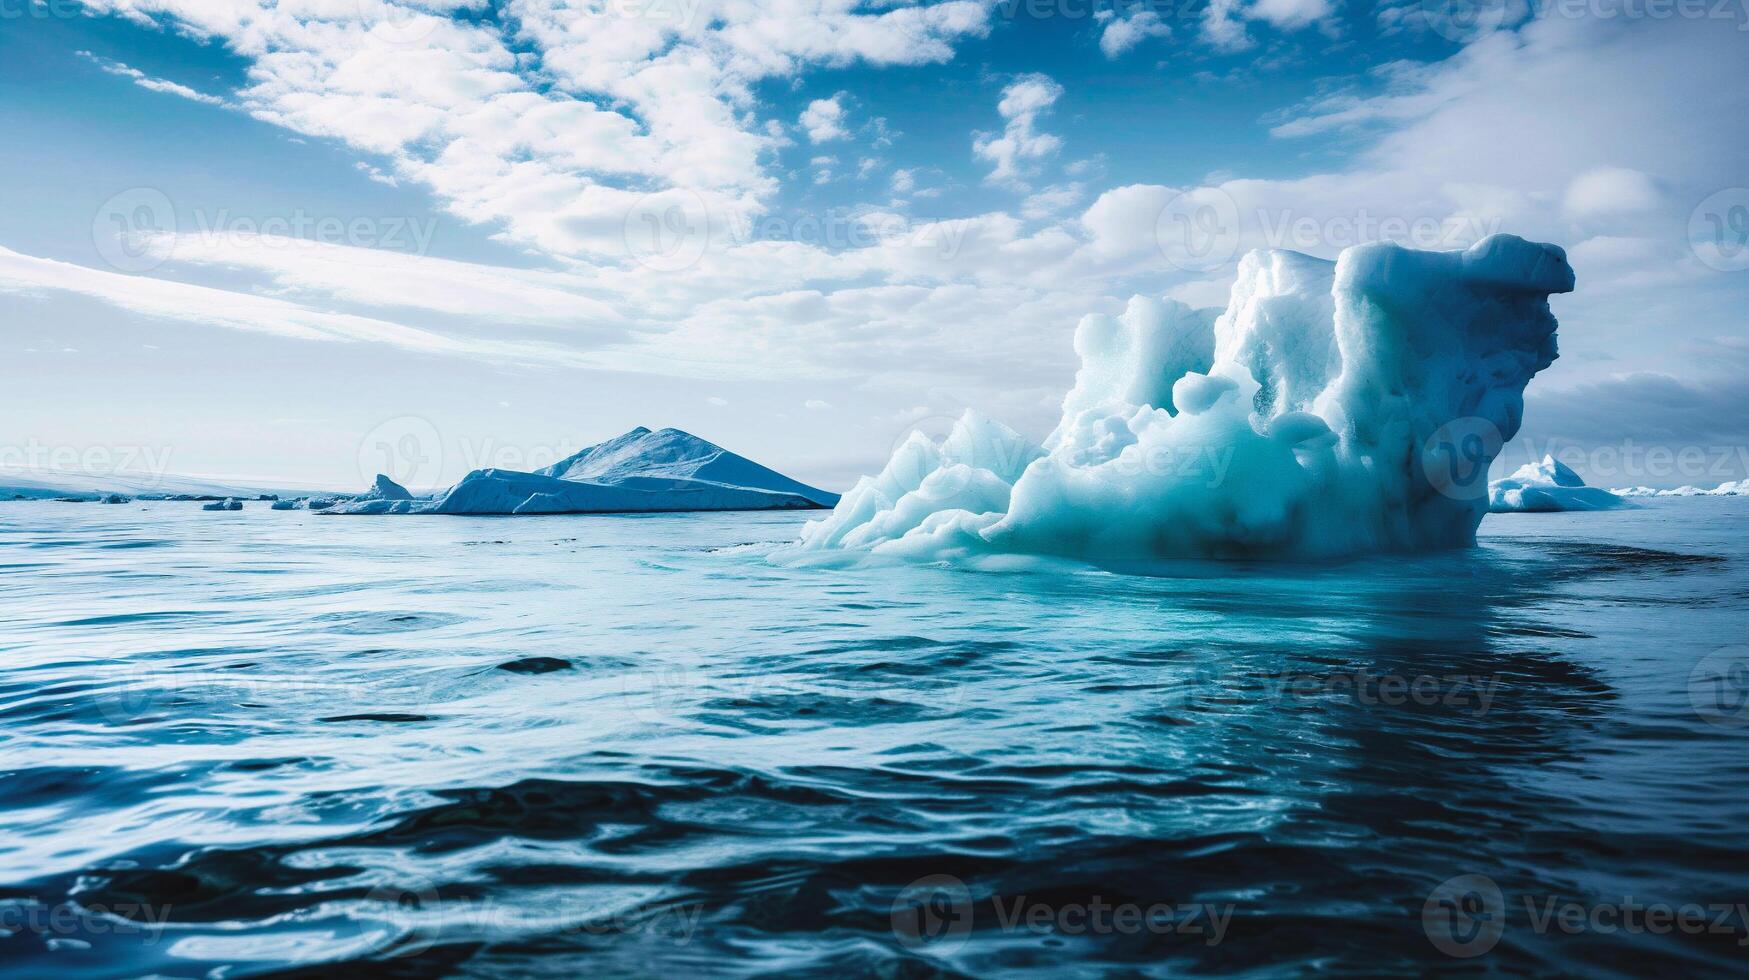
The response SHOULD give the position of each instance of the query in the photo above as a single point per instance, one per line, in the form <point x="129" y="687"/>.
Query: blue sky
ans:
<point x="255" y="240"/>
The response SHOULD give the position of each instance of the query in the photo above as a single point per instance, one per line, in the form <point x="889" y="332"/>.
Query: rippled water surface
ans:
<point x="269" y="741"/>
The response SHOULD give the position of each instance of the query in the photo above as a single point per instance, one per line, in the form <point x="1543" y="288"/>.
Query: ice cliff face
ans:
<point x="1331" y="409"/>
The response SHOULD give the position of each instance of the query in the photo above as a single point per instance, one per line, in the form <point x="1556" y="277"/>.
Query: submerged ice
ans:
<point x="1333" y="408"/>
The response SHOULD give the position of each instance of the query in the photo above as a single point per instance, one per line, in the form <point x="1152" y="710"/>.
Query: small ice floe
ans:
<point x="229" y="503"/>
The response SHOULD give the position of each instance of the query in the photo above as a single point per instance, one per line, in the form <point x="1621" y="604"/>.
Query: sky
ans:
<point x="301" y="242"/>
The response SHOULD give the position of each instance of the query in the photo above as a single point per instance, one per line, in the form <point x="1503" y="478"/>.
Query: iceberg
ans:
<point x="1333" y="408"/>
<point x="231" y="503"/>
<point x="384" y="497"/>
<point x="1730" y="488"/>
<point x="25" y="483"/>
<point x="1545" y="487"/>
<point x="640" y="471"/>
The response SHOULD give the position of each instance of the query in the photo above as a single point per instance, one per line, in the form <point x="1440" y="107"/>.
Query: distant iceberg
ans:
<point x="1334" y="408"/>
<point x="1733" y="488"/>
<point x="1548" y="486"/>
<point x="384" y="497"/>
<point x="50" y="484"/>
<point x="230" y="504"/>
<point x="641" y="471"/>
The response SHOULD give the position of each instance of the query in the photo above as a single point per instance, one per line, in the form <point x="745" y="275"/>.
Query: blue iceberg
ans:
<point x="640" y="471"/>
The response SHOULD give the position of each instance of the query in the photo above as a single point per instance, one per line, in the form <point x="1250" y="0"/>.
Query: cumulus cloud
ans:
<point x="1019" y="147"/>
<point x="556" y="150"/>
<point x="1121" y="33"/>
<point x="1223" y="21"/>
<point x="823" y="120"/>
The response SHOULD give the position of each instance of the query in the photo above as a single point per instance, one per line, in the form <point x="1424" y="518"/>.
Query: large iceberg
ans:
<point x="1545" y="487"/>
<point x="641" y="471"/>
<point x="1333" y="408"/>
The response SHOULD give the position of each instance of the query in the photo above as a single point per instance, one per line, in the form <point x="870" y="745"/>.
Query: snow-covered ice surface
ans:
<point x="1334" y="408"/>
<point x="1546" y="487"/>
<point x="640" y="471"/>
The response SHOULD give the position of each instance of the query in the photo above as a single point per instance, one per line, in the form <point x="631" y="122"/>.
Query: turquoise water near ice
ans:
<point x="271" y="742"/>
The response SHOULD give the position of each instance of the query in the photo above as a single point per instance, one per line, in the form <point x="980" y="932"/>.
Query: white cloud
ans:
<point x="1610" y="190"/>
<point x="823" y="120"/>
<point x="1223" y="21"/>
<point x="555" y="150"/>
<point x="1120" y="34"/>
<point x="1051" y="201"/>
<point x="1289" y="15"/>
<point x="1223" y="25"/>
<point x="166" y="299"/>
<point x="149" y="83"/>
<point x="1020" y="146"/>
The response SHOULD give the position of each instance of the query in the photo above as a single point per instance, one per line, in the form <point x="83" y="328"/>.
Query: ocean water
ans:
<point x="277" y="742"/>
